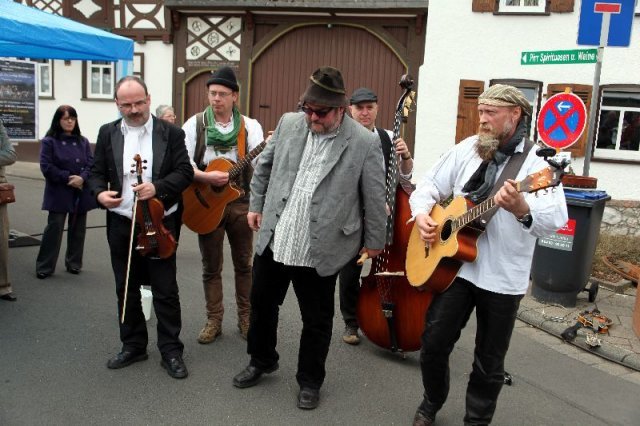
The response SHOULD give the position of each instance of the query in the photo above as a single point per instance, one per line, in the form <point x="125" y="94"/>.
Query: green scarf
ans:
<point x="222" y="141"/>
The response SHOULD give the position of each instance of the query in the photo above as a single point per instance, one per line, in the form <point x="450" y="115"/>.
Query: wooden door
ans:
<point x="281" y="73"/>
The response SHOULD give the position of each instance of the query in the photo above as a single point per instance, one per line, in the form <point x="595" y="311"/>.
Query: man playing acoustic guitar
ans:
<point x="495" y="283"/>
<point x="222" y="132"/>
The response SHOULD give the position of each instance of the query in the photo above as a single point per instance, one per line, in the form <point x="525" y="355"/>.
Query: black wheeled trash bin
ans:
<point x="562" y="262"/>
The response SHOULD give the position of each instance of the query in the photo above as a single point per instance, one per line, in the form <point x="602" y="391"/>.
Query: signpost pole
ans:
<point x="593" y="108"/>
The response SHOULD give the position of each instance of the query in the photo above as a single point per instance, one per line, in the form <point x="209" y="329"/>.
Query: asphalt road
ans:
<point x="56" y="339"/>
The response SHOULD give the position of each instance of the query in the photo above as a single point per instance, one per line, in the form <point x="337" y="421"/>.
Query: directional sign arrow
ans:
<point x="524" y="58"/>
<point x="562" y="105"/>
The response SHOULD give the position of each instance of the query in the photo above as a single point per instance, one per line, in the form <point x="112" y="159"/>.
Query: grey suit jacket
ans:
<point x="351" y="182"/>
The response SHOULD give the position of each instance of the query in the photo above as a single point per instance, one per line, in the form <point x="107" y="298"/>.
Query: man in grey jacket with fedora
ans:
<point x="318" y="174"/>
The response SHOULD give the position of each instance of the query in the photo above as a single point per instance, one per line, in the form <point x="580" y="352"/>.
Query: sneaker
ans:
<point x="243" y="327"/>
<point x="210" y="332"/>
<point x="350" y="335"/>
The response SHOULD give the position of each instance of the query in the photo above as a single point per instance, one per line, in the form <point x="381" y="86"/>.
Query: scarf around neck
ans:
<point x="222" y="141"/>
<point x="482" y="180"/>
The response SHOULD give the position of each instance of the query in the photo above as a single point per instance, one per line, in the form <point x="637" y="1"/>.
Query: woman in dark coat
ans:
<point x="65" y="161"/>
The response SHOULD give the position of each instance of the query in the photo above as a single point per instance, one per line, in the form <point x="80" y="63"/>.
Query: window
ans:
<point x="100" y="79"/>
<point x="532" y="90"/>
<point x="138" y="65"/>
<point x="618" y="134"/>
<point x="44" y="71"/>
<point x="522" y="6"/>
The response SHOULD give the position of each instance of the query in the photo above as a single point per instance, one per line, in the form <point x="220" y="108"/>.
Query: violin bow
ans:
<point x="126" y="281"/>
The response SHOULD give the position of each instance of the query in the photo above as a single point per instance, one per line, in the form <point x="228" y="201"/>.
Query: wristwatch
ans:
<point x="526" y="220"/>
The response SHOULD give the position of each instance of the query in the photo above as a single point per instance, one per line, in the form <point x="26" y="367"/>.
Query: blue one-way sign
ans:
<point x="591" y="14"/>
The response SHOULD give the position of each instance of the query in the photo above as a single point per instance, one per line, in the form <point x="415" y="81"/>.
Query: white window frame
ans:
<point x="39" y="66"/>
<point x="617" y="153"/>
<point x="505" y="7"/>
<point x="101" y="65"/>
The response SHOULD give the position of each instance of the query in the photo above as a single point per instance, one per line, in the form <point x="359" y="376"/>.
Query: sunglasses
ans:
<point x="321" y="113"/>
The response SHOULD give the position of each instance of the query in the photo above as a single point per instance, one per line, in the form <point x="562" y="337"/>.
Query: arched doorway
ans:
<point x="280" y="73"/>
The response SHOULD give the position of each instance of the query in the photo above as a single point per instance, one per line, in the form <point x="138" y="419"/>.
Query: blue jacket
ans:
<point x="59" y="159"/>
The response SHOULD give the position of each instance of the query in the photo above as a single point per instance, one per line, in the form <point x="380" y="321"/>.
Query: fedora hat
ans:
<point x="326" y="88"/>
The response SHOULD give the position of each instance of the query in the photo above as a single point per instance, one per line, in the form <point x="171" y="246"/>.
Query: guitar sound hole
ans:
<point x="445" y="231"/>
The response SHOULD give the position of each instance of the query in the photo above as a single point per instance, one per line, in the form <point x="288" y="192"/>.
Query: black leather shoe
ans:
<point x="175" y="367"/>
<point x="42" y="275"/>
<point x="308" y="398"/>
<point x="126" y="358"/>
<point x="9" y="297"/>
<point x="74" y="271"/>
<point x="421" y="419"/>
<point x="250" y="376"/>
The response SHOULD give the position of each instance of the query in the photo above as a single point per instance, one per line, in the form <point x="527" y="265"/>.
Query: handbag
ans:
<point x="7" y="194"/>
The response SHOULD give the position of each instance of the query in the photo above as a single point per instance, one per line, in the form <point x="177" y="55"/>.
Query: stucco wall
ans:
<point x="462" y="44"/>
<point x="158" y="61"/>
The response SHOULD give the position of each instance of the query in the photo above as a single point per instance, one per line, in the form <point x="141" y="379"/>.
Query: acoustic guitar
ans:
<point x="204" y="204"/>
<point x="437" y="265"/>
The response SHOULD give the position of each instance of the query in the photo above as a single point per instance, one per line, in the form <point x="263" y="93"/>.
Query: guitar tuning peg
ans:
<point x="144" y="161"/>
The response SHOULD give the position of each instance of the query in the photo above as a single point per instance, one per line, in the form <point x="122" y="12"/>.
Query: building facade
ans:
<point x="482" y="42"/>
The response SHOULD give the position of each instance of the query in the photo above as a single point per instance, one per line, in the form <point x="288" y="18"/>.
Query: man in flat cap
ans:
<point x="222" y="132"/>
<point x="498" y="278"/>
<point x="363" y="105"/>
<point x="313" y="181"/>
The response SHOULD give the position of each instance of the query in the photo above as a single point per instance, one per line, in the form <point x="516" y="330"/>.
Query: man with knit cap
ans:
<point x="221" y="131"/>
<point x="496" y="281"/>
<point x="311" y="184"/>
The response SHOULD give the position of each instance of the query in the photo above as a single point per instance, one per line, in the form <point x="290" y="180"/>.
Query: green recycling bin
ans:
<point x="562" y="262"/>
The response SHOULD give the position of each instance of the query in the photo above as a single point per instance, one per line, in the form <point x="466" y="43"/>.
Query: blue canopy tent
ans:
<point x="26" y="32"/>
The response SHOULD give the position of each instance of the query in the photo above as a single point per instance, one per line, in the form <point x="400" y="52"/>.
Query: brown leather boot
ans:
<point x="209" y="332"/>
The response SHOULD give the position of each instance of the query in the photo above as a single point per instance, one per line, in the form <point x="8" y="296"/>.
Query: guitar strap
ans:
<point x="510" y="171"/>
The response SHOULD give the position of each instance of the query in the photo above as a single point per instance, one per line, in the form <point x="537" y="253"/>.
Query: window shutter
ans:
<point x="562" y="6"/>
<point x="583" y="91"/>
<point x="467" y="123"/>
<point x="484" y="5"/>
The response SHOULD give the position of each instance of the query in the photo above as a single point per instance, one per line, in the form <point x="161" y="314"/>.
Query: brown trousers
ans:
<point x="234" y="224"/>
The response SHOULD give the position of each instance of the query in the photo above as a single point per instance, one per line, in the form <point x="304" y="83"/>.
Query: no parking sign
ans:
<point x="562" y="120"/>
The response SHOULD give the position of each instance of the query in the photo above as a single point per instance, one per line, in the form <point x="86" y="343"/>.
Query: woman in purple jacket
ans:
<point x="65" y="161"/>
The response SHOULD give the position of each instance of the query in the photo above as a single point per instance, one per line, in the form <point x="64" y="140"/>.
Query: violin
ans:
<point x="154" y="240"/>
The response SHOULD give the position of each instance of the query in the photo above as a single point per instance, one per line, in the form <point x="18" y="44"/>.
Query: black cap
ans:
<point x="226" y="77"/>
<point x="363" y="94"/>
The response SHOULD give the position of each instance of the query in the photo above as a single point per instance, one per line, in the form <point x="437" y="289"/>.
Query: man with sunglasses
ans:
<point x="221" y="131"/>
<point x="311" y="184"/>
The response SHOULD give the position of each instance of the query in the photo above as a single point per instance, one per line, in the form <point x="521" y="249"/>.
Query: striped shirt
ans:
<point x="291" y="243"/>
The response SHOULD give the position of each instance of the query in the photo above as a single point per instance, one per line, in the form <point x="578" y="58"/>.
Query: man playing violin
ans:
<point x="166" y="174"/>
<point x="496" y="281"/>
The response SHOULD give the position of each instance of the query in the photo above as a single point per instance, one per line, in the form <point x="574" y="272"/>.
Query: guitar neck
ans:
<point x="474" y="213"/>
<point x="235" y="171"/>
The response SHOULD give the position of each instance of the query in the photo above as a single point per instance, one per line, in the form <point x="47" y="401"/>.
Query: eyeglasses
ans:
<point x="213" y="94"/>
<point x="321" y="113"/>
<point x="138" y="104"/>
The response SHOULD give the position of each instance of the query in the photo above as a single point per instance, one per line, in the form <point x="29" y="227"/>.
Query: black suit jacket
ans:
<point x="172" y="171"/>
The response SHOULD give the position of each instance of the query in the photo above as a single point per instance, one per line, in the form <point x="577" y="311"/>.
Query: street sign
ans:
<point x="557" y="57"/>
<point x="562" y="120"/>
<point x="591" y="16"/>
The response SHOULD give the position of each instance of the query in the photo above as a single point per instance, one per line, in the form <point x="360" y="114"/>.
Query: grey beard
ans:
<point x="487" y="146"/>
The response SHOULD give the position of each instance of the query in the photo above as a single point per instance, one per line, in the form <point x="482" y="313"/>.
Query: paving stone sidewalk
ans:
<point x="620" y="344"/>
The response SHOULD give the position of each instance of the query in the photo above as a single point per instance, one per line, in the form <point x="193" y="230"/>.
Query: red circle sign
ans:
<point x="562" y="120"/>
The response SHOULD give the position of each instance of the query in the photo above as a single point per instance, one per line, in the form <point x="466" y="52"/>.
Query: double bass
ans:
<point x="391" y="312"/>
